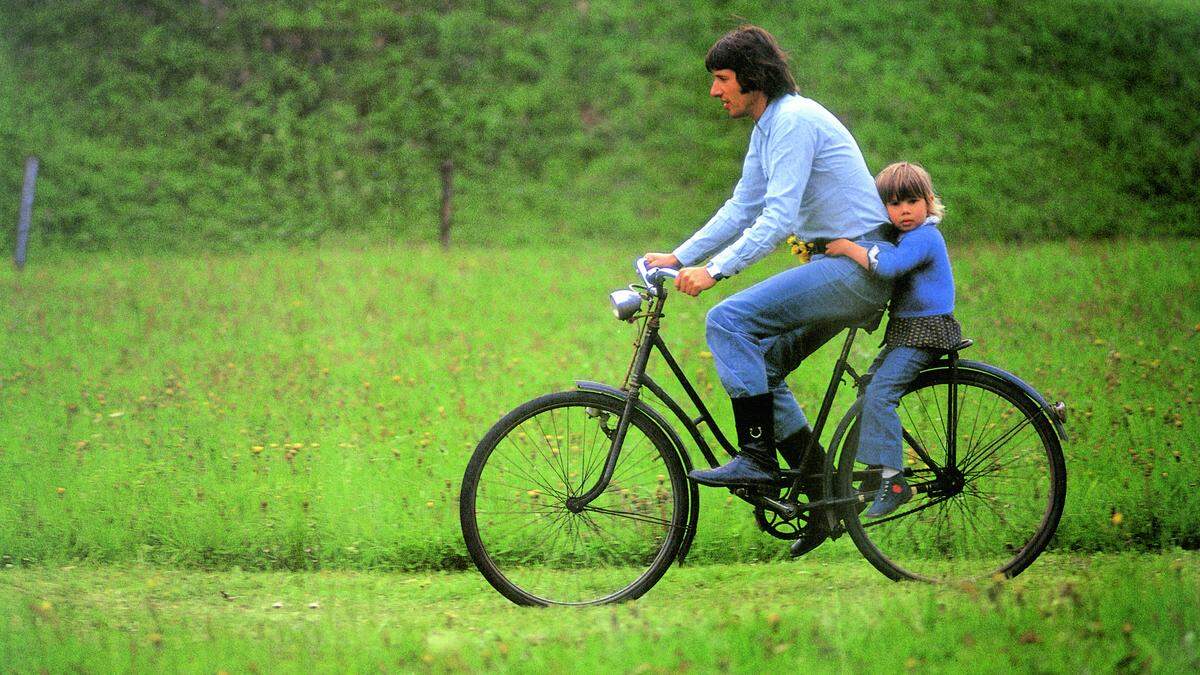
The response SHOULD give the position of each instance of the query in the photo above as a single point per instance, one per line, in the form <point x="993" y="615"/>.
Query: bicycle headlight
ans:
<point x="625" y="303"/>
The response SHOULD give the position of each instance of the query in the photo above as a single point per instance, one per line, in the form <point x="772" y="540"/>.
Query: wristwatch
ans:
<point x="714" y="271"/>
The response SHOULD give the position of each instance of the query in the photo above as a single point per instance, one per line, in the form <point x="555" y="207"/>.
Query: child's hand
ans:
<point x="849" y="249"/>
<point x="841" y="247"/>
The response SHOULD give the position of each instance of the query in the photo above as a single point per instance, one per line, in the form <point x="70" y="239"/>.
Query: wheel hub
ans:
<point x="949" y="484"/>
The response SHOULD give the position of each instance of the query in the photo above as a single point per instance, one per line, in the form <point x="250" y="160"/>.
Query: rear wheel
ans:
<point x="992" y="509"/>
<point x="513" y="507"/>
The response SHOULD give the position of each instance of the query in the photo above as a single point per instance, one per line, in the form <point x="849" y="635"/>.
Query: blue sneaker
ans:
<point x="893" y="492"/>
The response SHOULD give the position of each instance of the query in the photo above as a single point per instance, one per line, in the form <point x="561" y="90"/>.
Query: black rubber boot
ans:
<point x="812" y="464"/>
<point x="755" y="463"/>
<point x="792" y="450"/>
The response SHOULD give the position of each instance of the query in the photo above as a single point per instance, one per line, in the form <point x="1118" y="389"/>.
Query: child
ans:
<point x="921" y="319"/>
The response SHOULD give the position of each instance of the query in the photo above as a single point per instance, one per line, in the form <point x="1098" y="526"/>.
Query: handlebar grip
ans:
<point x="652" y="275"/>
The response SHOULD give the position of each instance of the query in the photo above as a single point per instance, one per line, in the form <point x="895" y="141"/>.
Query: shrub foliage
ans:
<point x="218" y="123"/>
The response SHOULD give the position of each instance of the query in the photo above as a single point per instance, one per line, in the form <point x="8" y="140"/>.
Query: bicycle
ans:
<point x="580" y="497"/>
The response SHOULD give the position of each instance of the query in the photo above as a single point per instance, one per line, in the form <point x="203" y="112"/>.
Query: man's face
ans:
<point x="725" y="87"/>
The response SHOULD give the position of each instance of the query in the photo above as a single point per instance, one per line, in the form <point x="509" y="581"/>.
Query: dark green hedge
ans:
<point x="217" y="124"/>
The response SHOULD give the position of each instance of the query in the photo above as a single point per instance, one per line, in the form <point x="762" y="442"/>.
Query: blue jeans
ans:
<point x="759" y="335"/>
<point x="880" y="440"/>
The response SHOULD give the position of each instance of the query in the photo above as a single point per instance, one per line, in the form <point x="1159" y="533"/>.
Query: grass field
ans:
<point x="313" y="409"/>
<point x="1103" y="613"/>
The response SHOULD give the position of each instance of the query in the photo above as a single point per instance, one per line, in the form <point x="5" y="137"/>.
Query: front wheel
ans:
<point x="988" y="508"/>
<point x="514" y="516"/>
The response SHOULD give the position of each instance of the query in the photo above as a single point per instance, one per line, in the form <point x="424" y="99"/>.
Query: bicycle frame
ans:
<point x="649" y="339"/>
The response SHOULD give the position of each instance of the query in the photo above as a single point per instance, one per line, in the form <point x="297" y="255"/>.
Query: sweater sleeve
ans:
<point x="913" y="250"/>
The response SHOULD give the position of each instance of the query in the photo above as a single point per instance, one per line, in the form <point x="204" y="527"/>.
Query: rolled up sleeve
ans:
<point x="738" y="211"/>
<point x="788" y="164"/>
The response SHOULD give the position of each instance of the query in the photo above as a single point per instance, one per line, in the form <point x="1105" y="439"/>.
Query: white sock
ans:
<point x="888" y="472"/>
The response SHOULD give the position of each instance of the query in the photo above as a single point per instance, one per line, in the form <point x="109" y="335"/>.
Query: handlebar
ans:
<point x="653" y="276"/>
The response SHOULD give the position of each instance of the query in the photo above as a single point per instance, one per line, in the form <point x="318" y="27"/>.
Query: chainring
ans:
<point x="774" y="524"/>
<point x="777" y="526"/>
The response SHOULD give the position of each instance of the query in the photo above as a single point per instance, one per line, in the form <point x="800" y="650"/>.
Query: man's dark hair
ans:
<point x="755" y="56"/>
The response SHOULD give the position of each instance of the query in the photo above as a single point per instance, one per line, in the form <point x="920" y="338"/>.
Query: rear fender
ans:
<point x="1056" y="413"/>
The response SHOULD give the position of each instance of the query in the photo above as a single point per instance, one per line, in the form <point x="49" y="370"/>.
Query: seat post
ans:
<point x="952" y="411"/>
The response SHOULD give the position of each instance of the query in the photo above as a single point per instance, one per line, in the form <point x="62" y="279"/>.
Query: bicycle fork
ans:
<point x="633" y="385"/>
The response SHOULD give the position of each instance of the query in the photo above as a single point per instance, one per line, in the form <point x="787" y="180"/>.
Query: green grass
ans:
<point x="314" y="408"/>
<point x="1103" y="613"/>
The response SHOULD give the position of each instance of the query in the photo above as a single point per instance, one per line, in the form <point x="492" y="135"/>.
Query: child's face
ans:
<point x="907" y="213"/>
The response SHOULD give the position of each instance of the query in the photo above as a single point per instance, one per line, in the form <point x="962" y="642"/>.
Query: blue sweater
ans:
<point x="921" y="267"/>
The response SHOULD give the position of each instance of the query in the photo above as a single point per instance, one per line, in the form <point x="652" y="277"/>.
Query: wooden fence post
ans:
<point x="447" y="193"/>
<point x="31" y="169"/>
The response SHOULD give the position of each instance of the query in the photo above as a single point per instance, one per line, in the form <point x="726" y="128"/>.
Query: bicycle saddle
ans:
<point x="966" y="342"/>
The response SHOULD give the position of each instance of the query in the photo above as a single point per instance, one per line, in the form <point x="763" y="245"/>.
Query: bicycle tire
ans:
<point x="1013" y="483"/>
<point x="534" y="550"/>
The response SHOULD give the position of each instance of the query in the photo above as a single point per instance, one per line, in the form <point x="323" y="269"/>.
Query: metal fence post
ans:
<point x="31" y="169"/>
<point x="447" y="194"/>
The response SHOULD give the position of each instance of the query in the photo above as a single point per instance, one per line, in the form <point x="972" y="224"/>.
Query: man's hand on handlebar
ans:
<point x="661" y="260"/>
<point x="694" y="280"/>
<point x="691" y="280"/>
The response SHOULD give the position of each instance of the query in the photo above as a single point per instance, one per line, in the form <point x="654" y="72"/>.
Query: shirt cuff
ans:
<point x="686" y="256"/>
<point x="873" y="257"/>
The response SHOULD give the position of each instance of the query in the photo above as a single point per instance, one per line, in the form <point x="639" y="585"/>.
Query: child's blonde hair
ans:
<point x="904" y="180"/>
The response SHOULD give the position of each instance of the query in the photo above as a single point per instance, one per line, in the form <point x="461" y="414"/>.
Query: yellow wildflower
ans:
<point x="800" y="248"/>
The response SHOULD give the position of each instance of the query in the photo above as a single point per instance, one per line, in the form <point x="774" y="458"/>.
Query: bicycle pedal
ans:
<point x="791" y="474"/>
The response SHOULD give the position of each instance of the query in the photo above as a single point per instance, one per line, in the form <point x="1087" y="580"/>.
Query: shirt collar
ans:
<point x="769" y="111"/>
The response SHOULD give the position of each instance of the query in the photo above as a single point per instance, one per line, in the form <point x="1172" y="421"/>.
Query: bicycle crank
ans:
<point x="788" y="510"/>
<point x="777" y="526"/>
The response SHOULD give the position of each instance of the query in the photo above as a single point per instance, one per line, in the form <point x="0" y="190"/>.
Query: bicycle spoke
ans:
<point x="998" y="505"/>
<point x="1011" y="470"/>
<point x="935" y="427"/>
<point x="629" y="514"/>
<point x="901" y="514"/>
<point x="534" y="545"/>
<point x="551" y="459"/>
<point x="993" y="447"/>
<point x="540" y="479"/>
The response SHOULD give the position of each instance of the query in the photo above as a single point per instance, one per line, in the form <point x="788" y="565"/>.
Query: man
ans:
<point x="803" y="174"/>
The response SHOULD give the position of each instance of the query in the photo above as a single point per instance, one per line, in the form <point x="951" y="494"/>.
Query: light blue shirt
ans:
<point x="803" y="174"/>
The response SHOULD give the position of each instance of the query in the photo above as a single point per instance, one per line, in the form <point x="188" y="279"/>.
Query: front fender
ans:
<point x="692" y="503"/>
